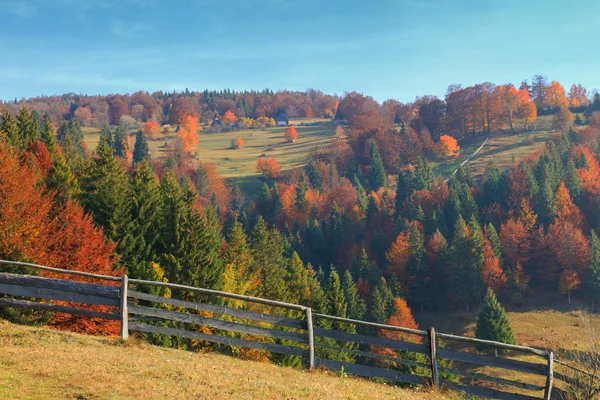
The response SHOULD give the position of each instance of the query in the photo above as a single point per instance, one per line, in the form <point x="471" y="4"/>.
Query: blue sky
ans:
<point x="387" y="49"/>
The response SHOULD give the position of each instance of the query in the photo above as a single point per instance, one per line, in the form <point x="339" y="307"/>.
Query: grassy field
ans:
<point x="38" y="363"/>
<point x="545" y="320"/>
<point x="239" y="166"/>
<point x="503" y="149"/>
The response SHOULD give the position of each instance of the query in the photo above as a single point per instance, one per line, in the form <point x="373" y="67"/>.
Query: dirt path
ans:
<point x="472" y="155"/>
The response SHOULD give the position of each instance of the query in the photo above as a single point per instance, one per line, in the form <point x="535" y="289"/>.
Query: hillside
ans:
<point x="81" y="367"/>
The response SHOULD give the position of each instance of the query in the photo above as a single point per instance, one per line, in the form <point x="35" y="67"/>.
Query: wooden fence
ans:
<point x="321" y="340"/>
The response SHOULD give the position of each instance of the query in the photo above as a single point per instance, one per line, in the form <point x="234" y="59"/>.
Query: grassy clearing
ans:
<point x="38" y="363"/>
<point x="239" y="166"/>
<point x="545" y="320"/>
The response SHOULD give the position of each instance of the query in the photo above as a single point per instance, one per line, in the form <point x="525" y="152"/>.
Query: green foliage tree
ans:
<point x="141" y="151"/>
<point x="594" y="277"/>
<point x="357" y="307"/>
<point x="492" y="322"/>
<point x="377" y="174"/>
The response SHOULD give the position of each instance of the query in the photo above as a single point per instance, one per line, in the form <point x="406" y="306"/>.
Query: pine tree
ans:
<point x="301" y="202"/>
<point x="9" y="128"/>
<point x="357" y="307"/>
<point x="574" y="185"/>
<point x="141" y="150"/>
<point x="594" y="276"/>
<point x="492" y="236"/>
<point x="143" y="232"/>
<point x="404" y="188"/>
<point x="313" y="175"/>
<point x="106" y="192"/>
<point x="378" y="310"/>
<point x="417" y="267"/>
<point x="377" y="174"/>
<point x="207" y="270"/>
<point x="267" y="248"/>
<point x="492" y="322"/>
<point x="28" y="128"/>
<point x="238" y="276"/>
<point x="48" y="135"/>
<point x="298" y="280"/>
<point x="119" y="144"/>
<point x="423" y="178"/>
<point x="362" y="200"/>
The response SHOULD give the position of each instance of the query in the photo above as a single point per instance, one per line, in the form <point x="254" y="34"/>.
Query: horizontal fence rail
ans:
<point x="410" y="356"/>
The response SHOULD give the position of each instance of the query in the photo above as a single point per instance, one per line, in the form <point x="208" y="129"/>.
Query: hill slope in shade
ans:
<point x="38" y="363"/>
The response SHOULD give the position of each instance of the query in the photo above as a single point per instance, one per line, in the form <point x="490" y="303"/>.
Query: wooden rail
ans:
<point x="284" y="328"/>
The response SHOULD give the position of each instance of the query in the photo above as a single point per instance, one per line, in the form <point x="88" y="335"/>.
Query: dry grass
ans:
<point x="38" y="363"/>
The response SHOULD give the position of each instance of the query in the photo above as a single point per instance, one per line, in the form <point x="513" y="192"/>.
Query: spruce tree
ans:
<point x="267" y="248"/>
<point x="120" y="142"/>
<point x="141" y="150"/>
<point x="377" y="174"/>
<point x="423" y="175"/>
<point x="28" y="128"/>
<point x="492" y="322"/>
<point x="492" y="236"/>
<point x="594" y="276"/>
<point x="357" y="307"/>
<point x="417" y="266"/>
<point x="378" y="310"/>
<point x="238" y="276"/>
<point x="9" y="128"/>
<point x="298" y="280"/>
<point x="313" y="175"/>
<point x="106" y="192"/>
<point x="143" y="232"/>
<point x="48" y="135"/>
<point x="362" y="200"/>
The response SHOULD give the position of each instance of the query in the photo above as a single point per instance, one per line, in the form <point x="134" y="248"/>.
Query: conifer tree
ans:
<point x="492" y="322"/>
<point x="492" y="236"/>
<point x="423" y="175"/>
<point x="417" y="268"/>
<point x="357" y="307"/>
<point x="208" y="269"/>
<point x="141" y="150"/>
<point x="106" y="192"/>
<point x="404" y="188"/>
<point x="362" y="200"/>
<point x="267" y="248"/>
<point x="239" y="274"/>
<point x="9" y="128"/>
<point x="119" y="144"/>
<point x="28" y="128"/>
<point x="378" y="310"/>
<point x="377" y="174"/>
<point x="298" y="280"/>
<point x="594" y="276"/>
<point x="313" y="175"/>
<point x="574" y="185"/>
<point x="48" y="135"/>
<point x="301" y="202"/>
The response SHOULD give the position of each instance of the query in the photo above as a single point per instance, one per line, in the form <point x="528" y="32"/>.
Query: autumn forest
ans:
<point x="364" y="229"/>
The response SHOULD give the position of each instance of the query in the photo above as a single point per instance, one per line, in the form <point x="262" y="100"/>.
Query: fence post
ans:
<point x="550" y="377"/>
<point x="124" y="313"/>
<point x="311" y="339"/>
<point x="433" y="357"/>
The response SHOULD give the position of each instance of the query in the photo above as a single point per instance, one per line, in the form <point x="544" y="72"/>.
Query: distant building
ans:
<point x="281" y="120"/>
<point x="216" y="123"/>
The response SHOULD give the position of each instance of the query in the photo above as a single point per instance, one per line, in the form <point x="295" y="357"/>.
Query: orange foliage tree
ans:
<point x="493" y="275"/>
<point x="151" y="130"/>
<point x="228" y="118"/>
<point x="555" y="95"/>
<point x="401" y="317"/>
<point x="237" y="143"/>
<point x="566" y="211"/>
<point x="515" y="242"/>
<point x="568" y="282"/>
<point x="268" y="167"/>
<point x="187" y="135"/>
<point x="291" y="134"/>
<point x="397" y="256"/>
<point x="447" y="147"/>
